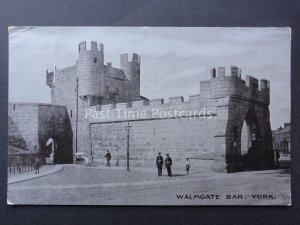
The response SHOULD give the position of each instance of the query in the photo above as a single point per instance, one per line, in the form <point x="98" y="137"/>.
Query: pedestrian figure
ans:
<point x="277" y="156"/>
<point x="37" y="165"/>
<point x="108" y="158"/>
<point x="168" y="164"/>
<point x="159" y="163"/>
<point x="187" y="166"/>
<point x="117" y="163"/>
<point x="86" y="160"/>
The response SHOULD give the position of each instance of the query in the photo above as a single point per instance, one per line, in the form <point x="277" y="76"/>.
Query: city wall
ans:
<point x="208" y="137"/>
<point x="32" y="124"/>
<point x="108" y="98"/>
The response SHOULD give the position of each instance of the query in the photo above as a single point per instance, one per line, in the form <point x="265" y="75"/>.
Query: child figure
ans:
<point x="187" y="165"/>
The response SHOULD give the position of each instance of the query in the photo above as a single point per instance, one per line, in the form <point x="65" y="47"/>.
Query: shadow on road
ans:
<point x="178" y="175"/>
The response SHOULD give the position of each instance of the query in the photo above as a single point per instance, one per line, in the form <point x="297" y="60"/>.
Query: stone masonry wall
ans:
<point x="36" y="123"/>
<point x="227" y="99"/>
<point x="181" y="138"/>
<point x="107" y="95"/>
<point x="23" y="123"/>
<point x="179" y="133"/>
<point x="97" y="84"/>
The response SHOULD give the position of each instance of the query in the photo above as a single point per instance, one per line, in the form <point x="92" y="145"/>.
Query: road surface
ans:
<point x="76" y="184"/>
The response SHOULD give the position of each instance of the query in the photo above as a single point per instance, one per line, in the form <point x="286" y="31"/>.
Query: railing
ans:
<point x="21" y="163"/>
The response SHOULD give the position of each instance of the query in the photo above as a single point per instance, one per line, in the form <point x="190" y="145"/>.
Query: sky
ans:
<point x="173" y="60"/>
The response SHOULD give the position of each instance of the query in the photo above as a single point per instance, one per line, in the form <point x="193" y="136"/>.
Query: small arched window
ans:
<point x="95" y="59"/>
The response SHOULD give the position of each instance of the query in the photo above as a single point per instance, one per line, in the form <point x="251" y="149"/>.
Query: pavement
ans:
<point x="44" y="171"/>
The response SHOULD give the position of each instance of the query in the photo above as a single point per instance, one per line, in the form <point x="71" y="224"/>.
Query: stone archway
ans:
<point x="251" y="149"/>
<point x="55" y="123"/>
<point x="50" y="154"/>
<point x="245" y="138"/>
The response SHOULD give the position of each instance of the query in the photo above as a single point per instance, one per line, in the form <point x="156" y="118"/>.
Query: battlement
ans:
<point x="156" y="102"/>
<point x="264" y="84"/>
<point x="176" y="106"/>
<point x="221" y="72"/>
<point x="175" y="100"/>
<point x="237" y="72"/>
<point x="94" y="46"/>
<point x="22" y="105"/>
<point x="134" y="58"/>
<point x="220" y="85"/>
<point x="214" y="92"/>
<point x="131" y="69"/>
<point x="106" y="83"/>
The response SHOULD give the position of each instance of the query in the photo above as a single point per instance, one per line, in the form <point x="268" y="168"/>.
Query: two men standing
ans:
<point x="160" y="162"/>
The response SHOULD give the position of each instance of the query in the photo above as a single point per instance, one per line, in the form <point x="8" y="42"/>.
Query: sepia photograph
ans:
<point x="149" y="116"/>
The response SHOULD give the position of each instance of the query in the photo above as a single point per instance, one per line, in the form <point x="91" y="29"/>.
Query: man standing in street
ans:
<point x="159" y="163"/>
<point x="108" y="158"/>
<point x="168" y="164"/>
<point x="37" y="165"/>
<point x="187" y="166"/>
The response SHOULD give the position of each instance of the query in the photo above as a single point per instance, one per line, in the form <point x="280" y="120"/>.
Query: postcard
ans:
<point x="149" y="116"/>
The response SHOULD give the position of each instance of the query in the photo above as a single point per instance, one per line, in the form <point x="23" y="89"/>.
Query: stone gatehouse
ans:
<point x="225" y="126"/>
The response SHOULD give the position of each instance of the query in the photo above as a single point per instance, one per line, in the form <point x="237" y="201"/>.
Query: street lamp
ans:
<point x="76" y="128"/>
<point x="128" y="128"/>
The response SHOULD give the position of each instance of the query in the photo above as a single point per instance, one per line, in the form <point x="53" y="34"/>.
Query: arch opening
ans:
<point x="251" y="142"/>
<point x="51" y="147"/>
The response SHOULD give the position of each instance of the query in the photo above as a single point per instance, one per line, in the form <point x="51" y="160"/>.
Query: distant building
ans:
<point x="282" y="138"/>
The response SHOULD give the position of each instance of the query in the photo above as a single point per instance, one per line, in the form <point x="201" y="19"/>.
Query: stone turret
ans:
<point x="88" y="69"/>
<point x="132" y="71"/>
<point x="220" y="85"/>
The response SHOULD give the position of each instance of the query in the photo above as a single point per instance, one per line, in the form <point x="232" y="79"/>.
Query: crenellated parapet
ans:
<point x="213" y="93"/>
<point x="221" y="85"/>
<point x="97" y="83"/>
<point x="94" y="46"/>
<point x="175" y="107"/>
<point x="95" y="51"/>
<point x="131" y="69"/>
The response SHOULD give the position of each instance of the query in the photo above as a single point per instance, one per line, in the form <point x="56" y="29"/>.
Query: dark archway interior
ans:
<point x="56" y="125"/>
<point x="62" y="149"/>
<point x="251" y="142"/>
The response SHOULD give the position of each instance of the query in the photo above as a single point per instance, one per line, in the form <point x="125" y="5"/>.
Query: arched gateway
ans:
<point x="213" y="135"/>
<point x="248" y="133"/>
<point x="35" y="123"/>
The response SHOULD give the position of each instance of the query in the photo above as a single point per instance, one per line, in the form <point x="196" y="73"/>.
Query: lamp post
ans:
<point x="76" y="128"/>
<point x="128" y="128"/>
